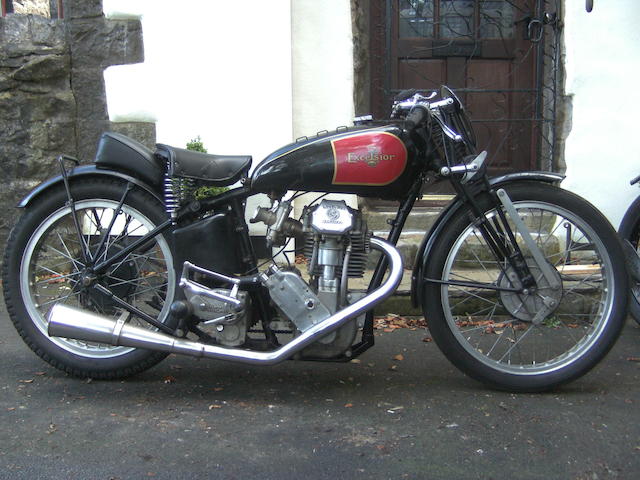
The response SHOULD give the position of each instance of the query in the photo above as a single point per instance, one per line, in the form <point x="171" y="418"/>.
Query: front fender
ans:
<point x="432" y="235"/>
<point x="84" y="171"/>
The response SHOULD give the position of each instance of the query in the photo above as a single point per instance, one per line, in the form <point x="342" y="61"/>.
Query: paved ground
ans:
<point x="381" y="418"/>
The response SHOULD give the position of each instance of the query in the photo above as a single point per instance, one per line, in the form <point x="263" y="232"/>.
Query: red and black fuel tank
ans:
<point x="370" y="161"/>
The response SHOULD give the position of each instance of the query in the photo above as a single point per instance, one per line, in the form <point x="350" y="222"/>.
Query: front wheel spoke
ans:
<point x="515" y="344"/>
<point x="584" y="281"/>
<point x="481" y="311"/>
<point x="580" y="295"/>
<point x="500" y="335"/>
<point x="484" y="326"/>
<point x="577" y="317"/>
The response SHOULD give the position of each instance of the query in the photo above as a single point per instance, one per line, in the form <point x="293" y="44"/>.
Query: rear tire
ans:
<point x="495" y="336"/>
<point x="43" y="262"/>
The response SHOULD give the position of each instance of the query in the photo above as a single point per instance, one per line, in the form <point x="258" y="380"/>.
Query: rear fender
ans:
<point x="84" y="171"/>
<point x="434" y="232"/>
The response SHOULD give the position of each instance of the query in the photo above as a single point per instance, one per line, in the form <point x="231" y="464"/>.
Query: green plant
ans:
<point x="552" y="322"/>
<point x="196" y="145"/>
<point x="204" y="191"/>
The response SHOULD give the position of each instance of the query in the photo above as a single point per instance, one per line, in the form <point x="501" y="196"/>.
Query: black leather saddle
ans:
<point x="217" y="170"/>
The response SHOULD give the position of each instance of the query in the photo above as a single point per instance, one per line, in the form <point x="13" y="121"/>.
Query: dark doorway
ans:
<point x="492" y="52"/>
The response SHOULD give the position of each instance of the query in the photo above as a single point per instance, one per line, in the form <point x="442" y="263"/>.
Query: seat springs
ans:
<point x="177" y="191"/>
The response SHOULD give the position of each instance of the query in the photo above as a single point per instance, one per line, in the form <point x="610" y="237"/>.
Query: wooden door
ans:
<point x="485" y="50"/>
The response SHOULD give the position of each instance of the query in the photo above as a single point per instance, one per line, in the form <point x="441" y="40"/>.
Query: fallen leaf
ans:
<point x="393" y="367"/>
<point x="427" y="339"/>
<point x="26" y="381"/>
<point x="348" y="405"/>
<point x="169" y="379"/>
<point x="211" y="407"/>
<point x="633" y="359"/>
<point x="40" y="373"/>
<point x="399" y="357"/>
<point x="218" y="389"/>
<point x="356" y="360"/>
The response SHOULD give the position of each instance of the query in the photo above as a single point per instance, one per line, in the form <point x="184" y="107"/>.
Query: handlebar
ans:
<point x="416" y="108"/>
<point x="416" y="116"/>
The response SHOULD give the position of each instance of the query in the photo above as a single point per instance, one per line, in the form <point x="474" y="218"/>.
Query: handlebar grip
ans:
<point x="416" y="116"/>
<point x="404" y="94"/>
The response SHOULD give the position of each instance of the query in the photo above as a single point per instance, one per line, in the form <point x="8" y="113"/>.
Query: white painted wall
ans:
<point x="322" y="65"/>
<point x="209" y="64"/>
<point x="322" y="72"/>
<point x="218" y="70"/>
<point x="603" y="68"/>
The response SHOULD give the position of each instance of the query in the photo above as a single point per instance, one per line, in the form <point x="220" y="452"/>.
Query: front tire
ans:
<point x="495" y="336"/>
<point x="630" y="231"/>
<point x="45" y="259"/>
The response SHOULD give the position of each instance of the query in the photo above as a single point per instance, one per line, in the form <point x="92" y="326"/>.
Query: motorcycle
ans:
<point x="629" y="232"/>
<point x="116" y="264"/>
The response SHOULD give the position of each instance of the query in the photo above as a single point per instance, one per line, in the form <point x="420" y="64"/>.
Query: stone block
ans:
<point x="41" y="68"/>
<point x="96" y="42"/>
<point x="123" y="42"/>
<point x="88" y="135"/>
<point x="22" y="35"/>
<point x="7" y="83"/>
<point x="143" y="132"/>
<point x="82" y="9"/>
<point x="35" y="109"/>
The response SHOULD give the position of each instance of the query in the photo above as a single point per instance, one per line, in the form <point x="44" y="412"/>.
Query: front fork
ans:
<point x="502" y="240"/>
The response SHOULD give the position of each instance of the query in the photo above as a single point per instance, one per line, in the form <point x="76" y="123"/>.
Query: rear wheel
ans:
<point x="46" y="262"/>
<point x="537" y="340"/>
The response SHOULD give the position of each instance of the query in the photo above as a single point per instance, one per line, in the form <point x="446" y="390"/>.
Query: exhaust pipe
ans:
<point x="70" y="322"/>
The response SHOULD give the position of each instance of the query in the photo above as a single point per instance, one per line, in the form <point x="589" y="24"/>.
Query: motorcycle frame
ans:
<point x="496" y="233"/>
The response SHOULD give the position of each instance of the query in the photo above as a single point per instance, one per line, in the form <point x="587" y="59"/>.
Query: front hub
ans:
<point x="527" y="305"/>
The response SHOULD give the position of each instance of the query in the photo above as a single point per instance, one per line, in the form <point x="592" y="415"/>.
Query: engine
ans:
<point x="335" y="244"/>
<point x="335" y="248"/>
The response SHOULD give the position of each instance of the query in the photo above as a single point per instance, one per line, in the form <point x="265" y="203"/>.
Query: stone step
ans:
<point x="419" y="220"/>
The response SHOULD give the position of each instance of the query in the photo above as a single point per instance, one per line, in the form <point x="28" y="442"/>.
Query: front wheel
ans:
<point x="496" y="333"/>
<point x="630" y="231"/>
<point x="49" y="257"/>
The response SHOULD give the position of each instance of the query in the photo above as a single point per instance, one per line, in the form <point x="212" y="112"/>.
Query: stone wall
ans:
<point x="52" y="95"/>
